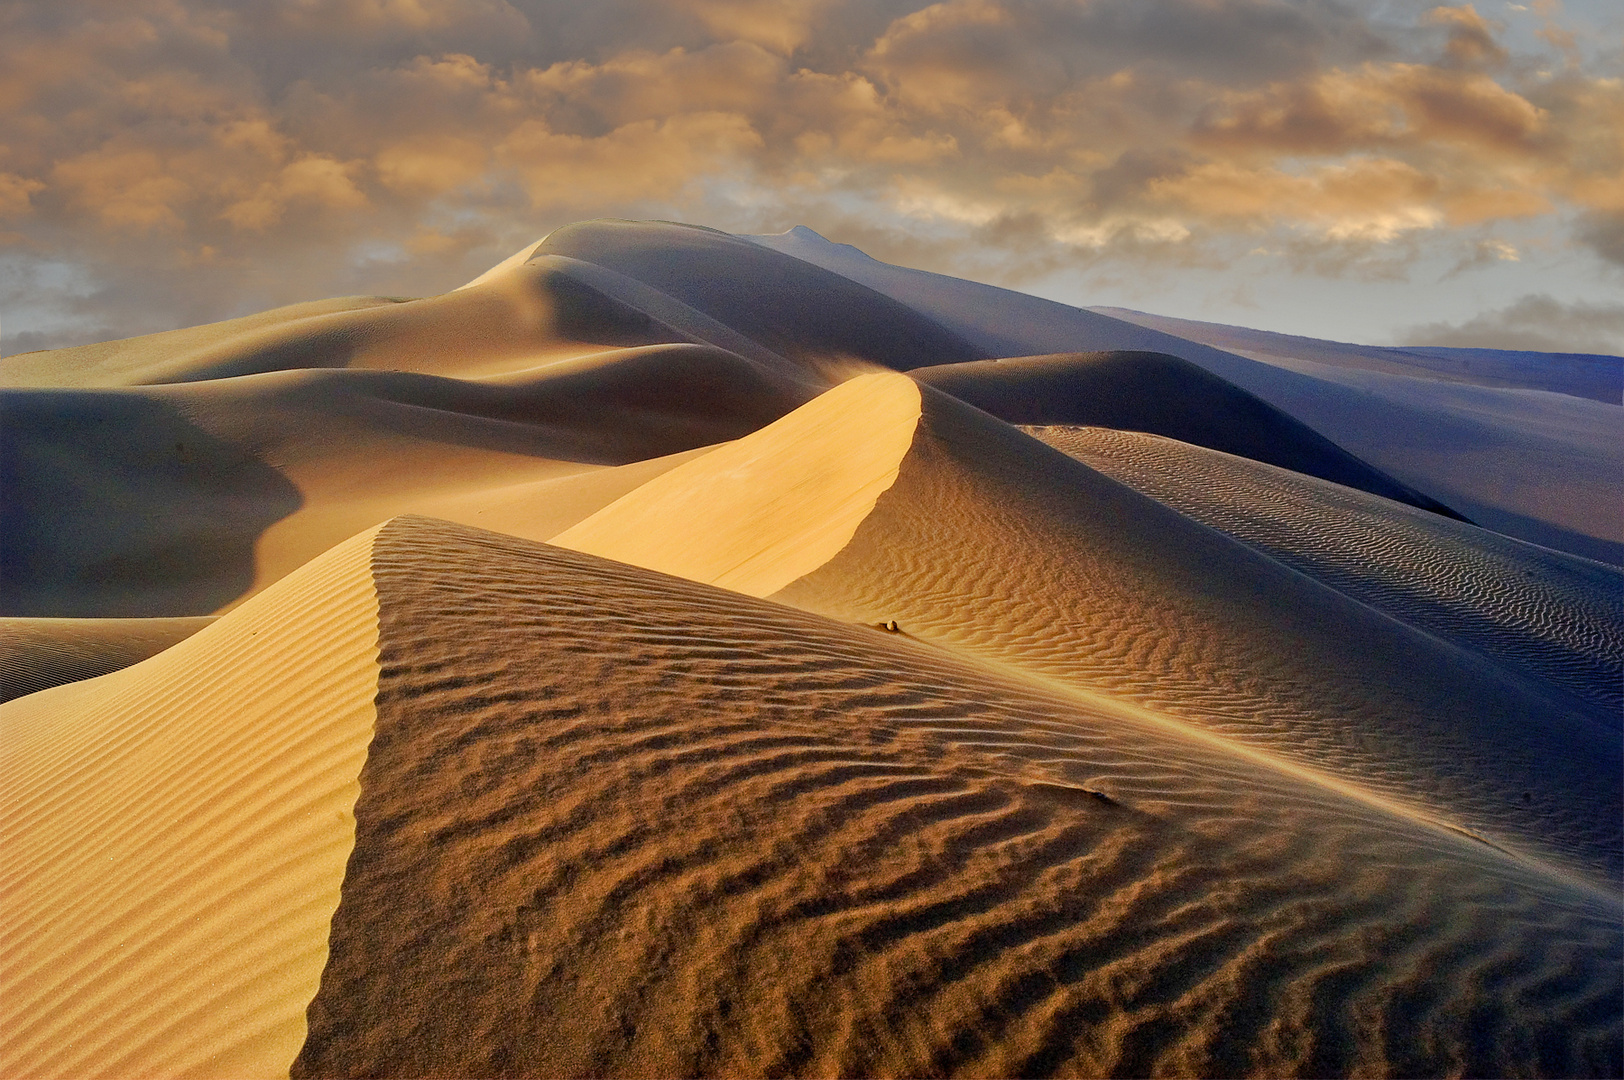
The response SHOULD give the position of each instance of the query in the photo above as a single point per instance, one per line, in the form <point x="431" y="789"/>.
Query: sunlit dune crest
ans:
<point x="679" y="653"/>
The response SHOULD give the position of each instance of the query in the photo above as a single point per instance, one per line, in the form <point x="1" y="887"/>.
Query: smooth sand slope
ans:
<point x="39" y="653"/>
<point x="614" y="823"/>
<point x="991" y="544"/>
<point x="175" y="835"/>
<point x="1552" y="615"/>
<point x="1161" y="395"/>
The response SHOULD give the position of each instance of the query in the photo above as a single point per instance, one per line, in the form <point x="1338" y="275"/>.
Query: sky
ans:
<point x="1383" y="172"/>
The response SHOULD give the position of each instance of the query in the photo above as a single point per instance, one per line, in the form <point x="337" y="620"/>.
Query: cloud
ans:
<point x="1536" y="322"/>
<point x="1604" y="233"/>
<point x="236" y="153"/>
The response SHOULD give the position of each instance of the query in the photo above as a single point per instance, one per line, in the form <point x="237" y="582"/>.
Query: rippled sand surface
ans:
<point x="639" y="662"/>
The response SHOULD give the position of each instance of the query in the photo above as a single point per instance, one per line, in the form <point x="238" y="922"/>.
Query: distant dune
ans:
<point x="1539" y="466"/>
<point x="1160" y="395"/>
<point x="665" y="655"/>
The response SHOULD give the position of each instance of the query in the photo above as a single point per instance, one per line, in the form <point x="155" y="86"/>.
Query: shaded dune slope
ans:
<point x="1161" y="395"/>
<point x="784" y="303"/>
<point x="614" y="823"/>
<point x="1587" y="375"/>
<point x="175" y="500"/>
<point x="989" y="543"/>
<point x="1553" y="615"/>
<point x="118" y="504"/>
<point x="175" y="835"/>
<point x="39" y="653"/>
<point x="1540" y="467"/>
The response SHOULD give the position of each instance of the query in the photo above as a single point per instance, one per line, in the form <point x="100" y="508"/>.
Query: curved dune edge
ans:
<point x="176" y="834"/>
<point x="791" y="495"/>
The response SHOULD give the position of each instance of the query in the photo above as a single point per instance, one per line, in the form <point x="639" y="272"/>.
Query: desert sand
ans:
<point x="665" y="655"/>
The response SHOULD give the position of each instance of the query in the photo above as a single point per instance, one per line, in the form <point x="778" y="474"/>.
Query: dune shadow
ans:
<point x="117" y="505"/>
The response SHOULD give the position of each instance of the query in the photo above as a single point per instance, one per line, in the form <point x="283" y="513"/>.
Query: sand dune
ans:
<point x="1554" y="616"/>
<point x="176" y="834"/>
<point x="175" y="500"/>
<point x="1543" y="467"/>
<point x="1161" y="395"/>
<point x="1586" y="375"/>
<point x="39" y="653"/>
<point x="991" y="544"/>
<point x="784" y="303"/>
<point x="842" y="728"/>
<point x="889" y="863"/>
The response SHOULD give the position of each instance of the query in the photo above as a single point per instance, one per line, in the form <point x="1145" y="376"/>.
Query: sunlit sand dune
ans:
<point x="614" y="823"/>
<point x="619" y="666"/>
<point x="175" y="835"/>
<point x="39" y="653"/>
<point x="989" y="543"/>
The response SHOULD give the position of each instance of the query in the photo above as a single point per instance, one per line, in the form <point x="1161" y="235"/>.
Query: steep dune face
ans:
<point x="1161" y="395"/>
<point x="755" y="515"/>
<point x="175" y="836"/>
<point x="993" y="545"/>
<point x="1554" y="616"/>
<point x="655" y="828"/>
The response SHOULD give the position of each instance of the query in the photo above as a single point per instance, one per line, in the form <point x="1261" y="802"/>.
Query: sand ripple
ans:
<point x="619" y="823"/>
<point x="1554" y="615"/>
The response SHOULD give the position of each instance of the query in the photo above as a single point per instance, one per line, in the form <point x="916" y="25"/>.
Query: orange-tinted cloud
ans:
<point x="324" y="135"/>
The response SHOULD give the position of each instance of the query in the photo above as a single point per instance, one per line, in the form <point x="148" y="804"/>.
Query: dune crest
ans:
<point x="175" y="837"/>
<point x="756" y="514"/>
